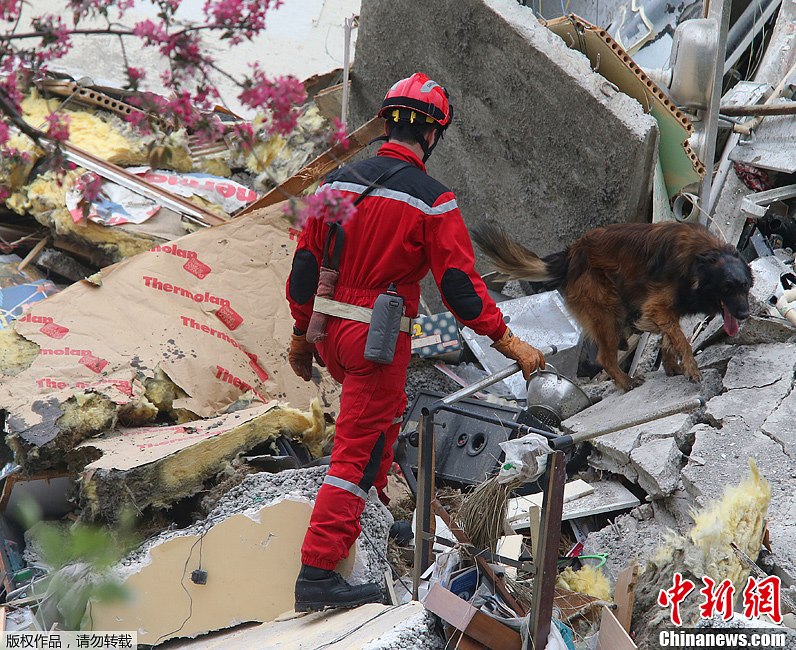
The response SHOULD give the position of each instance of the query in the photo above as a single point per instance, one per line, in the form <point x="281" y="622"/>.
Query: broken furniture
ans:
<point x="546" y="557"/>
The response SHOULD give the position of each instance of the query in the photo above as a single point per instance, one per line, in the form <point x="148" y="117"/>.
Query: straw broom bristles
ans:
<point x="482" y="514"/>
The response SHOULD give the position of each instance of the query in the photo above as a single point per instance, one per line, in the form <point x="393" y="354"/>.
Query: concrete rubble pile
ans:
<point x="146" y="392"/>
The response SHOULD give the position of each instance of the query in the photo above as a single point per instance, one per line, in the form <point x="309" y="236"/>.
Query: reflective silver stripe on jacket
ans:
<point x="348" y="486"/>
<point x="395" y="195"/>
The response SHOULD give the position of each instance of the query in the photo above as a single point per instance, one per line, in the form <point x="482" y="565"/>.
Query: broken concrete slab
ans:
<point x="658" y="464"/>
<point x="764" y="329"/>
<point x="779" y="426"/>
<point x="657" y="392"/>
<point x="370" y="627"/>
<point x="624" y="540"/>
<point x="256" y="530"/>
<point x="525" y="112"/>
<point x="756" y="381"/>
<point x="614" y="451"/>
<point x="649" y="454"/>
<point x="716" y="356"/>
<point x="157" y="466"/>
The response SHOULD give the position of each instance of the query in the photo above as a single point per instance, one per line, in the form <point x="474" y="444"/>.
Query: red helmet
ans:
<point x="417" y="95"/>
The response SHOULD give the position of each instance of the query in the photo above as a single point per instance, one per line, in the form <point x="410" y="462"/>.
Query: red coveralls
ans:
<point x="406" y="226"/>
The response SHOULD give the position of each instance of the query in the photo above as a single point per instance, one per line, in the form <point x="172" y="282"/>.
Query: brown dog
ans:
<point x="649" y="275"/>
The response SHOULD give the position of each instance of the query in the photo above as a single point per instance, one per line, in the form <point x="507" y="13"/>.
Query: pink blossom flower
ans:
<point x="55" y="41"/>
<point x="58" y="127"/>
<point x="339" y="134"/>
<point x="135" y="74"/>
<point x="280" y="96"/>
<point x="9" y="9"/>
<point x="332" y="206"/>
<point x="151" y="32"/>
<point x="240" y="19"/>
<point x="4" y="134"/>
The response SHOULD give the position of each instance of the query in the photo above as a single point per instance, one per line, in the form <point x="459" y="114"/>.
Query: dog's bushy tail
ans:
<point x="514" y="260"/>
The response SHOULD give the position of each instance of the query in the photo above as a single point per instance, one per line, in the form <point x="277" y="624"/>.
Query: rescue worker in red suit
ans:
<point x="407" y="224"/>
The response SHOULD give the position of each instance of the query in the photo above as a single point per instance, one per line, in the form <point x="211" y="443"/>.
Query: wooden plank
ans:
<point x="624" y="595"/>
<point x="390" y="588"/>
<point x="330" y="101"/>
<point x="612" y="634"/>
<point x="466" y="618"/>
<point x="608" y="496"/>
<point x="459" y="640"/>
<point x="318" y="168"/>
<point x="518" y="506"/>
<point x="546" y="560"/>
<point x="510" y="546"/>
<point x="535" y="522"/>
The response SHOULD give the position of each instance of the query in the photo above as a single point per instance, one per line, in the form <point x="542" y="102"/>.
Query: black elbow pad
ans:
<point x="303" y="277"/>
<point x="460" y="294"/>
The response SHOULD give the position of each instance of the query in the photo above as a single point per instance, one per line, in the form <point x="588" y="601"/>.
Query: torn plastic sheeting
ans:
<point x="20" y="289"/>
<point x="113" y="206"/>
<point x="228" y="194"/>
<point x="15" y="300"/>
<point x="207" y="309"/>
<point x="542" y="320"/>
<point x="116" y="205"/>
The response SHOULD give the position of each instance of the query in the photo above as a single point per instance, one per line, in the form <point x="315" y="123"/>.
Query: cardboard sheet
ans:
<point x="208" y="309"/>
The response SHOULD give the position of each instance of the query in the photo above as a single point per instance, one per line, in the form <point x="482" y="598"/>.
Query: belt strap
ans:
<point x="352" y="312"/>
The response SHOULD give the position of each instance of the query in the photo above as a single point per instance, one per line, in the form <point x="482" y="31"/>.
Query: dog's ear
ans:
<point x="708" y="258"/>
<point x="701" y="267"/>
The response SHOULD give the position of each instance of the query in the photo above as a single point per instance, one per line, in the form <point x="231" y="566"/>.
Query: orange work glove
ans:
<point x="300" y="355"/>
<point x="523" y="353"/>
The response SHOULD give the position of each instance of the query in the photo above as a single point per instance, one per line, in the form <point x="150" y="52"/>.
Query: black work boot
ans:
<point x="317" y="589"/>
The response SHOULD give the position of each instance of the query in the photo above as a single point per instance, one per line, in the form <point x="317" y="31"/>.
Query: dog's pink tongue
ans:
<point x="731" y="325"/>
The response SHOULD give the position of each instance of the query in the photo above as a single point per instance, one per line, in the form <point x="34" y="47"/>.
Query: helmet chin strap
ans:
<point x="428" y="148"/>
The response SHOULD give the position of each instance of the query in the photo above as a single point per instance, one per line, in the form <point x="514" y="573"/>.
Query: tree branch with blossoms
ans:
<point x="26" y="51"/>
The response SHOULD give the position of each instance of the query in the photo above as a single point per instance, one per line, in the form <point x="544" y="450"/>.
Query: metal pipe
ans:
<point x="719" y="11"/>
<point x="746" y="27"/>
<point x="424" y="517"/>
<point x="348" y="25"/>
<point x="721" y="175"/>
<point x="747" y="127"/>
<point x="785" y="108"/>
<point x="138" y="185"/>
<point x="681" y="407"/>
<point x="514" y="426"/>
<point x="487" y="381"/>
